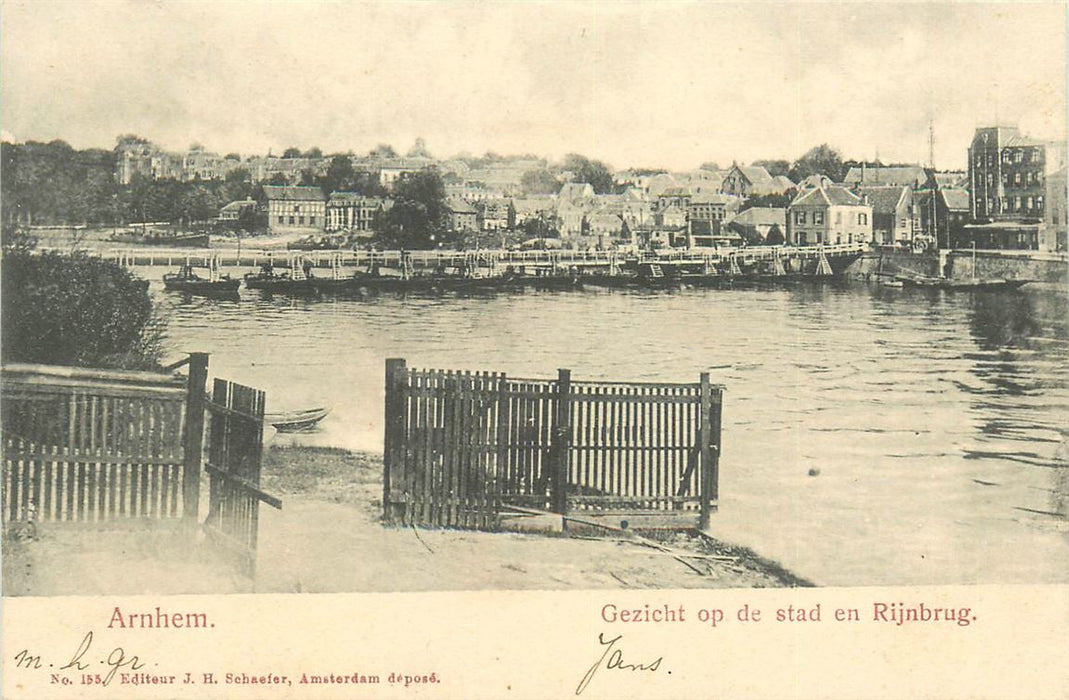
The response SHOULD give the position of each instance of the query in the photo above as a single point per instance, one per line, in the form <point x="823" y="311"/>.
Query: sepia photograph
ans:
<point x="408" y="297"/>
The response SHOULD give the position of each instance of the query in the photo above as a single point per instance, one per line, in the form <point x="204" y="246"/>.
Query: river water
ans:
<point x="931" y="419"/>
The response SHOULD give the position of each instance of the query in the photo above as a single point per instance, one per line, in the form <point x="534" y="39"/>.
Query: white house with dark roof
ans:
<point x="295" y="208"/>
<point x="828" y="214"/>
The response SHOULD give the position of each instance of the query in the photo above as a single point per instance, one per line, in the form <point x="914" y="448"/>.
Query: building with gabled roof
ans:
<point x="291" y="208"/>
<point x="893" y="215"/>
<point x="747" y="180"/>
<point x="828" y="214"/>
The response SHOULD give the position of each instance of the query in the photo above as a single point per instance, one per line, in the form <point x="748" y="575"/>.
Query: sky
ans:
<point x="636" y="84"/>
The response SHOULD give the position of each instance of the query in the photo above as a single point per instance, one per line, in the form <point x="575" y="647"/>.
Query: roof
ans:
<point x="713" y="198"/>
<point x="761" y="216"/>
<point x="756" y="174"/>
<point x="356" y="197"/>
<point x="784" y="182"/>
<point x="884" y="199"/>
<point x="293" y="194"/>
<point x="955" y="198"/>
<point x="911" y="175"/>
<point x="239" y="204"/>
<point x="676" y="191"/>
<point x="459" y="206"/>
<point x="830" y="195"/>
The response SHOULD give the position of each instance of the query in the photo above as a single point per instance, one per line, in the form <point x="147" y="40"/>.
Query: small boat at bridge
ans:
<point x="187" y="280"/>
<point x="297" y="421"/>
<point x="973" y="284"/>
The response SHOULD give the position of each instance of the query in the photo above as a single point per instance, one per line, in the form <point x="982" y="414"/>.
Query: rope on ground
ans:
<point x="416" y="533"/>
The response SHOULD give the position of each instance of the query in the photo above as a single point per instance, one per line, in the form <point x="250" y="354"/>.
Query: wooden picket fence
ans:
<point x="235" y="452"/>
<point x="91" y="446"/>
<point x="461" y="447"/>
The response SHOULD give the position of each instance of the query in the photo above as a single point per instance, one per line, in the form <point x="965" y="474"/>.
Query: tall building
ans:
<point x="1007" y="174"/>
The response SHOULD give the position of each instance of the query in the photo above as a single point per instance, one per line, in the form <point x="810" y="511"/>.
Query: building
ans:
<point x="1007" y="174"/>
<point x="462" y="216"/>
<point x="912" y="176"/>
<point x="233" y="210"/>
<point x="1055" y="214"/>
<point x="757" y="223"/>
<point x="895" y="220"/>
<point x="351" y="211"/>
<point x="943" y="214"/>
<point x="706" y="212"/>
<point x="828" y="213"/>
<point x="496" y="215"/>
<point x="747" y="180"/>
<point x="295" y="208"/>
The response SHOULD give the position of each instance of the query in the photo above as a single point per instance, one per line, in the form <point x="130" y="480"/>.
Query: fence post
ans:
<point x="394" y="422"/>
<point x="193" y="440"/>
<point x="562" y="430"/>
<point x="706" y="449"/>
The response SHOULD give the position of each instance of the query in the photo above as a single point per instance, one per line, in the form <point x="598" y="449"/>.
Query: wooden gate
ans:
<point x="461" y="446"/>
<point x="101" y="446"/>
<point x="235" y="449"/>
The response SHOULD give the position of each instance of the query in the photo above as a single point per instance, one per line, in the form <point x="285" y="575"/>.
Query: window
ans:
<point x="1005" y="178"/>
<point x="818" y="238"/>
<point x="300" y="220"/>
<point x="818" y="217"/>
<point x="291" y="220"/>
<point x="990" y="179"/>
<point x="801" y="238"/>
<point x="312" y="220"/>
<point x="1028" y="203"/>
<point x="862" y="218"/>
<point x="1018" y="156"/>
<point x="281" y="219"/>
<point x="799" y="217"/>
<point x="1039" y="201"/>
<point x="1017" y="178"/>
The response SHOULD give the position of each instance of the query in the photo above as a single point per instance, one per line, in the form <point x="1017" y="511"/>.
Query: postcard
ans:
<point x="534" y="350"/>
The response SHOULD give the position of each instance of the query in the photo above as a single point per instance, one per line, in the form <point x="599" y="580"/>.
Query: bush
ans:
<point x="76" y="310"/>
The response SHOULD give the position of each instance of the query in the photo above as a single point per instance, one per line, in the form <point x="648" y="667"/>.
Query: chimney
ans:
<point x="862" y="171"/>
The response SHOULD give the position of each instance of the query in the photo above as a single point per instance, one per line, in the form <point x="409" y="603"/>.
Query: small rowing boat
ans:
<point x="296" y="421"/>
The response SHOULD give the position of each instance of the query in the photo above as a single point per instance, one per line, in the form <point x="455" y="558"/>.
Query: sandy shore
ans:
<point x="328" y="539"/>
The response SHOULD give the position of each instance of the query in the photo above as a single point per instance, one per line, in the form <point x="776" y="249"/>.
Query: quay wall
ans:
<point x="958" y="264"/>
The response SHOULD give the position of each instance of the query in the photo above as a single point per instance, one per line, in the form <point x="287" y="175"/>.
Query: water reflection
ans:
<point x="933" y="418"/>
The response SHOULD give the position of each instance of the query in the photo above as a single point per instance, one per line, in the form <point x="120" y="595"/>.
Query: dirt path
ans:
<point x="328" y="539"/>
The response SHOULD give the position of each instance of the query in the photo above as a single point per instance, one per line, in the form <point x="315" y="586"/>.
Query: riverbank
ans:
<point x="328" y="539"/>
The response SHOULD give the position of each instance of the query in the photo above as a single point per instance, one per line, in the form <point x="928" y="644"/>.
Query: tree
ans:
<point x="420" y="215"/>
<point x="711" y="166"/>
<point x="76" y="310"/>
<point x="819" y="160"/>
<point x="539" y="182"/>
<point x="594" y="172"/>
<point x="383" y="150"/>
<point x="291" y="152"/>
<point x="313" y="152"/>
<point x="340" y="175"/>
<point x="774" y="167"/>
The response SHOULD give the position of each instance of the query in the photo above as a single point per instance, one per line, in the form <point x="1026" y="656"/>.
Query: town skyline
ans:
<point x="641" y="86"/>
